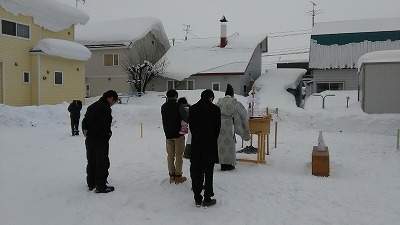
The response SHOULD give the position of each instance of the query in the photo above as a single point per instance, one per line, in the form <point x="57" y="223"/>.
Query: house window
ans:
<point x="332" y="86"/>
<point x="153" y="42"/>
<point x="170" y="84"/>
<point x="111" y="60"/>
<point x="26" y="77"/>
<point x="58" y="78"/>
<point x="15" y="29"/>
<point x="87" y="90"/>
<point x="245" y="88"/>
<point x="190" y="85"/>
<point x="215" y="86"/>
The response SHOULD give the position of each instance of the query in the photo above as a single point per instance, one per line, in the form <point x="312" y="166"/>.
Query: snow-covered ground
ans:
<point x="42" y="169"/>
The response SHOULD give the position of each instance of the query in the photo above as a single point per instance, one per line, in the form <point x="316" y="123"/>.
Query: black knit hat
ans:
<point x="229" y="90"/>
<point x="110" y="93"/>
<point x="172" y="93"/>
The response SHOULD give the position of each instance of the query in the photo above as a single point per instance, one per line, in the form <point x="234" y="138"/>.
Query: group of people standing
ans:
<point x="212" y="138"/>
<point x="211" y="128"/>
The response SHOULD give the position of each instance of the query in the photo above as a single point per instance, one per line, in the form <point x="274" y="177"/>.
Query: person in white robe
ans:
<point x="234" y="120"/>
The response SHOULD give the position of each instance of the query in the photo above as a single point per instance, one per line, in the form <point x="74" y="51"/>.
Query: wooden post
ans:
<point x="267" y="144"/>
<point x="141" y="130"/>
<point x="398" y="138"/>
<point x="276" y="127"/>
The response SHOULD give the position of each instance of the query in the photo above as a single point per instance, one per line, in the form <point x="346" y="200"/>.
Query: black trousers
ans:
<point x="98" y="162"/>
<point x="75" y="124"/>
<point x="202" y="174"/>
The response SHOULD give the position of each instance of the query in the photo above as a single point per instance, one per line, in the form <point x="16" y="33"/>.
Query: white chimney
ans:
<point x="224" y="39"/>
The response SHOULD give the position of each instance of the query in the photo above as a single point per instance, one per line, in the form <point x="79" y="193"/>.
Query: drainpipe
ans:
<point x="3" y="80"/>
<point x="38" y="77"/>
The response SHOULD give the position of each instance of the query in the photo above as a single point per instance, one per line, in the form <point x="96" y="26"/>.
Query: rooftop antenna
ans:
<point x="76" y="2"/>
<point x="187" y="30"/>
<point x="313" y="12"/>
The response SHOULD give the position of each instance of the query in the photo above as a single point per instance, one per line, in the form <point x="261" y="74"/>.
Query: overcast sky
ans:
<point x="244" y="16"/>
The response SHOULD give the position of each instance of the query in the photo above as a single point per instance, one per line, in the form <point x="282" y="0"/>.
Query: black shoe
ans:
<point x="231" y="167"/>
<point x="106" y="189"/>
<point x="209" y="202"/>
<point x="198" y="203"/>
<point x="224" y="167"/>
<point x="91" y="188"/>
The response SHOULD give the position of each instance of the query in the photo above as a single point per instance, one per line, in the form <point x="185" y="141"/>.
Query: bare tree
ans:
<point x="142" y="65"/>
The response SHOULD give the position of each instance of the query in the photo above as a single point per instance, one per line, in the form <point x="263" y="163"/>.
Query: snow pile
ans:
<point x="63" y="48"/>
<point x="272" y="87"/>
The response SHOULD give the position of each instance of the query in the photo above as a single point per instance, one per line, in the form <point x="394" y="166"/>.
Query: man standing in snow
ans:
<point x="172" y="113"/>
<point x="75" y="113"/>
<point x="205" y="124"/>
<point x="96" y="127"/>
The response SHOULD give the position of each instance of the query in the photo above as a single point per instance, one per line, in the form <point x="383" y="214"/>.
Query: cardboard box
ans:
<point x="320" y="162"/>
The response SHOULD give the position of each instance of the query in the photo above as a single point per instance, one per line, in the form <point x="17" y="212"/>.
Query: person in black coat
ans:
<point x="172" y="114"/>
<point x="205" y="124"/>
<point x="96" y="127"/>
<point x="75" y="114"/>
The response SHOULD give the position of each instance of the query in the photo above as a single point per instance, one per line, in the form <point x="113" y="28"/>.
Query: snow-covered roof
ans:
<point x="379" y="56"/>
<point x="349" y="40"/>
<point x="272" y="87"/>
<point x="121" y="31"/>
<point x="49" y="14"/>
<point x="357" y="26"/>
<point x="196" y="56"/>
<point x="62" y="48"/>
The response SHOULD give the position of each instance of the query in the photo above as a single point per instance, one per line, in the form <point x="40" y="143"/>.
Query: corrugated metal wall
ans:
<point x="382" y="87"/>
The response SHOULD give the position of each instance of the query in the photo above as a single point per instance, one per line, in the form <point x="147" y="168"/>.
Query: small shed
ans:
<point x="379" y="82"/>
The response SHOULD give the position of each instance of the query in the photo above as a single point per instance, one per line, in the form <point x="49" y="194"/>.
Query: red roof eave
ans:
<point x="219" y="74"/>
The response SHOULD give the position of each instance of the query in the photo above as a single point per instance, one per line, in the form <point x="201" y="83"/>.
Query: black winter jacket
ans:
<point x="98" y="120"/>
<point x="205" y="124"/>
<point x="75" y="108"/>
<point x="172" y="113"/>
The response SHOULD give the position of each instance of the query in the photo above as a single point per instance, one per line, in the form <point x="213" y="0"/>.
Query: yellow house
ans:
<point x="39" y="61"/>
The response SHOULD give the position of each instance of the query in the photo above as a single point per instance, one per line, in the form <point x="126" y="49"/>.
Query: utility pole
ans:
<point x="187" y="30"/>
<point x="313" y="12"/>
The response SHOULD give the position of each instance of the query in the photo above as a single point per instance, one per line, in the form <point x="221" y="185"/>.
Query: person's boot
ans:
<point x="224" y="167"/>
<point x="231" y="167"/>
<point x="198" y="200"/>
<point x="104" y="189"/>
<point x="91" y="187"/>
<point x="179" y="179"/>
<point x="209" y="202"/>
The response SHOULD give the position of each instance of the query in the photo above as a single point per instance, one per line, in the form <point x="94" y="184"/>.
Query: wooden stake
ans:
<point x="276" y="127"/>
<point x="141" y="130"/>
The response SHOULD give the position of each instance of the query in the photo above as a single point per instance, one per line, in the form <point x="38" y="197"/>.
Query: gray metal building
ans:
<point x="379" y="79"/>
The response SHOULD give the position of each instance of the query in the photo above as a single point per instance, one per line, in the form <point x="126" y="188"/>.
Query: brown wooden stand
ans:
<point x="320" y="162"/>
<point x="261" y="127"/>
